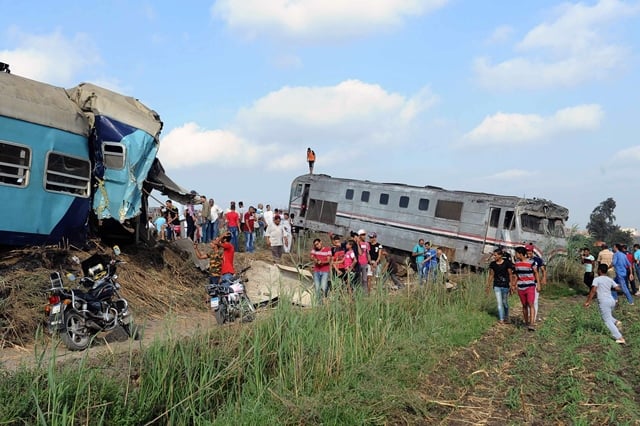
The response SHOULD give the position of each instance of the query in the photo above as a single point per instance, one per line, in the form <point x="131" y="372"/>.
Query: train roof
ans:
<point x="40" y="103"/>
<point x="538" y="206"/>
<point x="100" y="101"/>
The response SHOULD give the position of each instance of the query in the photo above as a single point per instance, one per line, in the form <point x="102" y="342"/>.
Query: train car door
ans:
<point x="492" y="234"/>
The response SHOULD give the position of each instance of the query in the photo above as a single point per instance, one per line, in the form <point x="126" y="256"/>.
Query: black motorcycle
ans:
<point x="78" y="315"/>
<point x="229" y="300"/>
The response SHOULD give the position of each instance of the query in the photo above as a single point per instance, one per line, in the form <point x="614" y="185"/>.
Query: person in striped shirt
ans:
<point x="527" y="280"/>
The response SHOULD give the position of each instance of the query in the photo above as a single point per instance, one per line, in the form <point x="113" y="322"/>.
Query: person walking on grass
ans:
<point x="588" y="261"/>
<point x="621" y="266"/>
<point x="500" y="277"/>
<point x="542" y="273"/>
<point x="602" y="287"/>
<point x="527" y="281"/>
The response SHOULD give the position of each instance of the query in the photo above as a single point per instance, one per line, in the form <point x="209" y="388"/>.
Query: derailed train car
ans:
<point x="468" y="225"/>
<point x="73" y="157"/>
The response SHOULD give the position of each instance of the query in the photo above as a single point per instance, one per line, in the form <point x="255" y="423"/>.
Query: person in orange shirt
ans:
<point x="311" y="158"/>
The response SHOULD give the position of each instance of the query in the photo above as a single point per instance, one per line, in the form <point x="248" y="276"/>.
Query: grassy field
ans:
<point x="411" y="357"/>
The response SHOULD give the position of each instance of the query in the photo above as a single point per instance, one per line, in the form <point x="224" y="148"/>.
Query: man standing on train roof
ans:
<point x="311" y="159"/>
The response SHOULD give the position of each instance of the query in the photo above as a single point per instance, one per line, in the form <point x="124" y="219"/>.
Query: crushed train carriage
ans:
<point x="71" y="157"/>
<point x="468" y="225"/>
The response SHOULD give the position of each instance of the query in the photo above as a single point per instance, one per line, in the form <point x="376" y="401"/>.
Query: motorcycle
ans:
<point x="229" y="300"/>
<point x="78" y="315"/>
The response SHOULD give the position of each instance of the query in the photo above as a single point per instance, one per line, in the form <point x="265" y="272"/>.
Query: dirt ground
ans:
<point x="164" y="286"/>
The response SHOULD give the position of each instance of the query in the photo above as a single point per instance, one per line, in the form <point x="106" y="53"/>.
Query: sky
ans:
<point x="533" y="98"/>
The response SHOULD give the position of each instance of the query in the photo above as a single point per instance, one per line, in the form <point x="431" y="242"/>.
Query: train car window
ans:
<point x="66" y="174"/>
<point x="364" y="197"/>
<point x="384" y="199"/>
<point x="494" y="219"/>
<point x="298" y="191"/>
<point x="533" y="223"/>
<point x="509" y="220"/>
<point x="449" y="209"/>
<point x="556" y="228"/>
<point x="404" y="202"/>
<point x="423" y="204"/>
<point x="349" y="194"/>
<point x="322" y="211"/>
<point x="114" y="154"/>
<point x="15" y="164"/>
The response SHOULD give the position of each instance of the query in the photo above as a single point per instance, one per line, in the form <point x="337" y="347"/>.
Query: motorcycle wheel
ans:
<point x="247" y="311"/>
<point x="221" y="314"/>
<point x="75" y="334"/>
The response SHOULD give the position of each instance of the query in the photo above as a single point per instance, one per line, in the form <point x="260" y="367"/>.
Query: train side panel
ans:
<point x="44" y="164"/>
<point x="467" y="225"/>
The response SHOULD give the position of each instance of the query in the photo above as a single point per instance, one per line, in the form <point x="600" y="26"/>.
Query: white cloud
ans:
<point x="511" y="174"/>
<point x="627" y="157"/>
<point x="500" y="35"/>
<point x="562" y="52"/>
<point x="349" y="114"/>
<point x="192" y="145"/>
<point x="317" y="19"/>
<point x="53" y="57"/>
<point x="516" y="129"/>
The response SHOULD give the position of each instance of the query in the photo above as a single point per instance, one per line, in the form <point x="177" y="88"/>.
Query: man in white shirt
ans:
<point x="268" y="216"/>
<point x="275" y="238"/>
<point x="216" y="212"/>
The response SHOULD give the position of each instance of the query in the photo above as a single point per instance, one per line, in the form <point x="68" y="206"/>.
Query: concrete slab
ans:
<point x="268" y="282"/>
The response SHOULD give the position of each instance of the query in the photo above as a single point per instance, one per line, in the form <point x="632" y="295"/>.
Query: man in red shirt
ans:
<point x="248" y="227"/>
<point x="321" y="258"/>
<point x="232" y="219"/>
<point x="227" y="258"/>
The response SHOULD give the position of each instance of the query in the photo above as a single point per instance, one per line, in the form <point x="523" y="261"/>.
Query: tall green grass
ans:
<point x="347" y="361"/>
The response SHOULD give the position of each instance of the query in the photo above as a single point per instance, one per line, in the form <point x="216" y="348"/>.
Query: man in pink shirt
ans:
<point x="321" y="258"/>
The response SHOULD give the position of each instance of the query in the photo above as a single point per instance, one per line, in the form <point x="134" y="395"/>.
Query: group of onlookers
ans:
<point x="361" y="264"/>
<point x="611" y="272"/>
<point x="526" y="274"/>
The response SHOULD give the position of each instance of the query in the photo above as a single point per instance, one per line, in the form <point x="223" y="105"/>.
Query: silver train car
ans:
<point x="467" y="225"/>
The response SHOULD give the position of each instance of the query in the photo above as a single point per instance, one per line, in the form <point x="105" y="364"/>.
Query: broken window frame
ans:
<point x="67" y="181"/>
<point x="21" y="164"/>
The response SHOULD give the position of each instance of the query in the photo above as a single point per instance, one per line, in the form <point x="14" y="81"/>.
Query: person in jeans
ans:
<point x="603" y="286"/>
<point x="621" y="266"/>
<point x="636" y="263"/>
<point x="500" y="277"/>
<point x="321" y="259"/>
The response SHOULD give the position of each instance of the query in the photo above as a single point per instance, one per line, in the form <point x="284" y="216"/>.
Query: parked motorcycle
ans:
<point x="229" y="300"/>
<point x="78" y="315"/>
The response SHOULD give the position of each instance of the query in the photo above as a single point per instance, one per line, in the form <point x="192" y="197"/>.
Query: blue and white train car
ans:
<point x="45" y="170"/>
<point x="124" y="144"/>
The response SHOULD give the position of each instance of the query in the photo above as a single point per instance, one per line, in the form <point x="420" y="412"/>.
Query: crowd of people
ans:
<point x="612" y="272"/>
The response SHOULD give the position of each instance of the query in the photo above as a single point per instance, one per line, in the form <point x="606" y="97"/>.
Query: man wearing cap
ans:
<point x="377" y="255"/>
<point x="364" y="259"/>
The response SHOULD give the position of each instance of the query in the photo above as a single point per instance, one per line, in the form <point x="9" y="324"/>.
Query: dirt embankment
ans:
<point x="155" y="281"/>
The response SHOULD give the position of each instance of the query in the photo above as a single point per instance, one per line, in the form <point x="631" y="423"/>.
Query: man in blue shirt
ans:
<point x="418" y="253"/>
<point x="621" y="265"/>
<point x="430" y="262"/>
